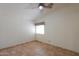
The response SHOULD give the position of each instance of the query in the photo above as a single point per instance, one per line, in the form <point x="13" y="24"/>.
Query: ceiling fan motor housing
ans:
<point x="46" y="5"/>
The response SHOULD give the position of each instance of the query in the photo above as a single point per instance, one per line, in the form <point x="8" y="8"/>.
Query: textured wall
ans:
<point x="15" y="25"/>
<point x="62" y="27"/>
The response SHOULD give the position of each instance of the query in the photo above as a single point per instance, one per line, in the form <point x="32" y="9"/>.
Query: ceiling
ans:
<point x="19" y="5"/>
<point x="30" y="10"/>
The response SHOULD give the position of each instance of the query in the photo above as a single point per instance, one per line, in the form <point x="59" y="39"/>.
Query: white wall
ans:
<point x="62" y="27"/>
<point x="15" y="25"/>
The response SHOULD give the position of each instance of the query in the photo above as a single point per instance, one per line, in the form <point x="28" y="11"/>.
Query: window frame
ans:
<point x="37" y="24"/>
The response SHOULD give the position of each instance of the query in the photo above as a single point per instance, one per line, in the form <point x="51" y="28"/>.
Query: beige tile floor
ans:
<point x="36" y="48"/>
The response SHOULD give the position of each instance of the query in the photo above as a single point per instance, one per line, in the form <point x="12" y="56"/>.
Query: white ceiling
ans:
<point x="30" y="10"/>
<point x="19" y="5"/>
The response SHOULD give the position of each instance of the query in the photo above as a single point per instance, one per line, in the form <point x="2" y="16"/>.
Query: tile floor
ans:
<point x="36" y="48"/>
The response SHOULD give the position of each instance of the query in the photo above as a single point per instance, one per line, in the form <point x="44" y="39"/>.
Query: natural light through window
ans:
<point x="39" y="29"/>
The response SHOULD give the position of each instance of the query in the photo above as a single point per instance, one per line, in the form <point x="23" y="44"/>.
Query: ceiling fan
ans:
<point x="45" y="5"/>
<point x="40" y="5"/>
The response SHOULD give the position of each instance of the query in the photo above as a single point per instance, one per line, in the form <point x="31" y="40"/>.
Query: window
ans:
<point x="40" y="28"/>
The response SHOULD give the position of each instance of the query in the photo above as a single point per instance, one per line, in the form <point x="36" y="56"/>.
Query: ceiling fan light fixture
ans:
<point x="41" y="7"/>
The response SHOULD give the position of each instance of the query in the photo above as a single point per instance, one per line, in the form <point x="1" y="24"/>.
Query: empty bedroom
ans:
<point x="39" y="29"/>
